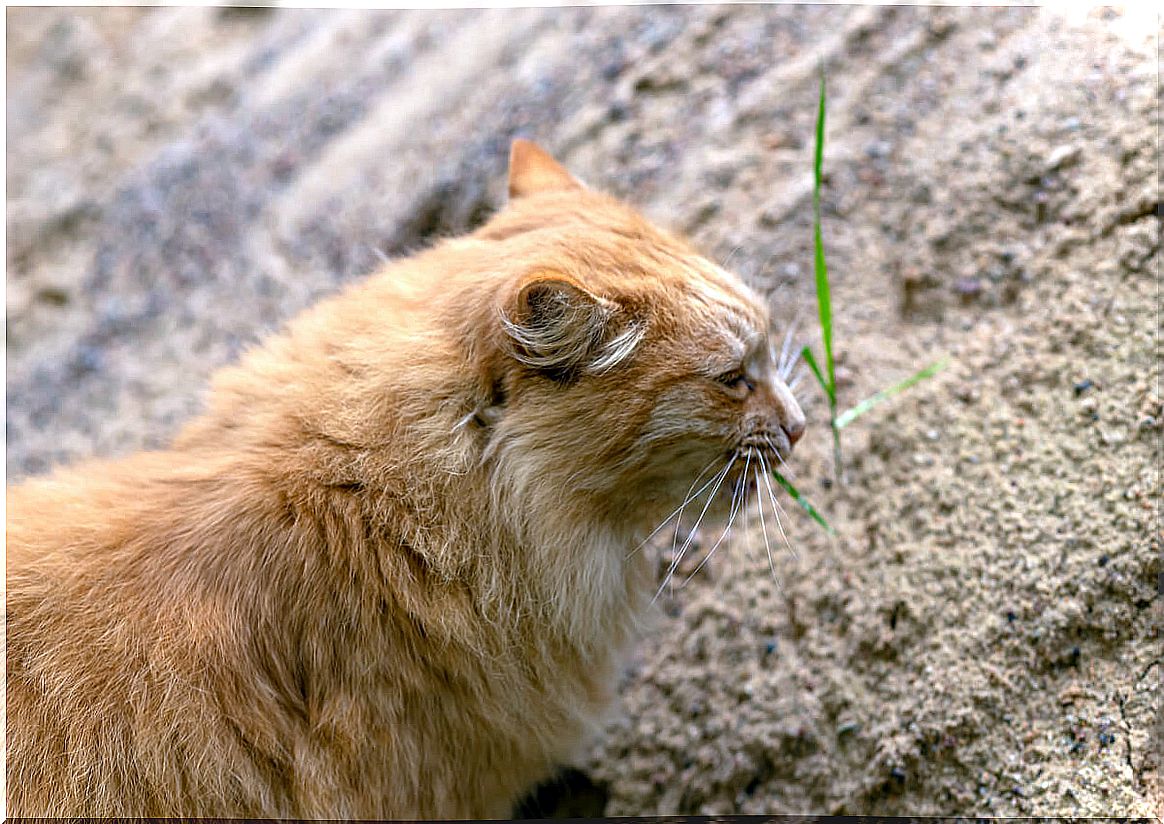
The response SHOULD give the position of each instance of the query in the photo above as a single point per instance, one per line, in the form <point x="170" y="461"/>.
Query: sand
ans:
<point x="982" y="634"/>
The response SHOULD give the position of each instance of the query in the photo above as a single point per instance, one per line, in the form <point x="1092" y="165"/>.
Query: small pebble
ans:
<point x="1063" y="156"/>
<point x="968" y="288"/>
<point x="1083" y="386"/>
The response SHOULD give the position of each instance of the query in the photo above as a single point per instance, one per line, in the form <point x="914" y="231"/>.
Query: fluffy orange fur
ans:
<point x="386" y="573"/>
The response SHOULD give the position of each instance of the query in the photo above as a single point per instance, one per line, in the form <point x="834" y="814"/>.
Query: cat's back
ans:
<point x="113" y="638"/>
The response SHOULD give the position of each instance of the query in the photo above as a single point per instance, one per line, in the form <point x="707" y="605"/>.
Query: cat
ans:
<point x="389" y="572"/>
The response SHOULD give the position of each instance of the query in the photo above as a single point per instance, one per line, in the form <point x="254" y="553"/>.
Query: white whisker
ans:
<point x="783" y="466"/>
<point x="719" y="476"/>
<point x="764" y="529"/>
<point x="787" y="361"/>
<point x="777" y="510"/>
<point x="727" y="529"/>
<point x="677" y="554"/>
<point x="731" y="255"/>
<point x="690" y="497"/>
<point x="691" y="535"/>
<point x="796" y="379"/>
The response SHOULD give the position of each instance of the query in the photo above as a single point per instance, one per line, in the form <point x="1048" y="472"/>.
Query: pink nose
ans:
<point x="794" y="430"/>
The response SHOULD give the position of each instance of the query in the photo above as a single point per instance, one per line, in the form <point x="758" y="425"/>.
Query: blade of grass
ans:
<point x="800" y="499"/>
<point x="806" y="353"/>
<point x="820" y="268"/>
<point x="885" y="394"/>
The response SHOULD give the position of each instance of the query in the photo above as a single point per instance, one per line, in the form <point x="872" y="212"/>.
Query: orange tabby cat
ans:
<point x="386" y="573"/>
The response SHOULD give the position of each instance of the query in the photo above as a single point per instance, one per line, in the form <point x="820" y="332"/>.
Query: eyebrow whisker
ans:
<point x="786" y="362"/>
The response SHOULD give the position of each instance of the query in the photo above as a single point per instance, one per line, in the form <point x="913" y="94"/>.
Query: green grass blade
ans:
<point x="820" y="268"/>
<point x="800" y="499"/>
<point x="806" y="353"/>
<point x="885" y="394"/>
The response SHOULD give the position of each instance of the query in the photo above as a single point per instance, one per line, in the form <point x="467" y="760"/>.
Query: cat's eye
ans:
<point x="735" y="379"/>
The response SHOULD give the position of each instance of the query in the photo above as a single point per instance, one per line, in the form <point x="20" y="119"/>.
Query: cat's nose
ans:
<point x="794" y="430"/>
<point x="789" y="413"/>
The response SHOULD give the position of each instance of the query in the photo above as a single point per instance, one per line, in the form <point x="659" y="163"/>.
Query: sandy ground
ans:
<point x="982" y="636"/>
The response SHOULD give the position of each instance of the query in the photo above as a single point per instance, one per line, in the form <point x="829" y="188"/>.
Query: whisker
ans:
<point x="764" y="529"/>
<point x="787" y="361"/>
<point x="675" y="539"/>
<point x="691" y="536"/>
<point x="690" y="497"/>
<point x="796" y="379"/>
<point x="777" y="511"/>
<point x="737" y="489"/>
<point x="727" y="529"/>
<point x="677" y="554"/>
<point x="787" y="470"/>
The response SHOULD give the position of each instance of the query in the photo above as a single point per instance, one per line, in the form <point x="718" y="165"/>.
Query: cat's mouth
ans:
<point x="740" y="488"/>
<point x="757" y="456"/>
<point x="773" y="448"/>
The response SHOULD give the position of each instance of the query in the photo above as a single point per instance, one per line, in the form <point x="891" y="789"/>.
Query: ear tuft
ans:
<point x="558" y="327"/>
<point x="532" y="170"/>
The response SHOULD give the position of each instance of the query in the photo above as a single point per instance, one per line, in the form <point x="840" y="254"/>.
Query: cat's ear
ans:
<point x="557" y="326"/>
<point x="532" y="170"/>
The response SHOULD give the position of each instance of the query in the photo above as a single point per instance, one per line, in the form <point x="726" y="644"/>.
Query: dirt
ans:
<point x="982" y="634"/>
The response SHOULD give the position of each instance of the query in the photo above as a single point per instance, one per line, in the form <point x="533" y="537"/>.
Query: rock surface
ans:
<point x="982" y="636"/>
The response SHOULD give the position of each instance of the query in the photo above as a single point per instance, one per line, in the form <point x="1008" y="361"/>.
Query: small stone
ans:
<point x="1063" y="156"/>
<point x="968" y="288"/>
<point x="1082" y="386"/>
<point x="1111" y="437"/>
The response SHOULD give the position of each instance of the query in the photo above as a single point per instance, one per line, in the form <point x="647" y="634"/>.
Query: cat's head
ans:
<point x="629" y="362"/>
